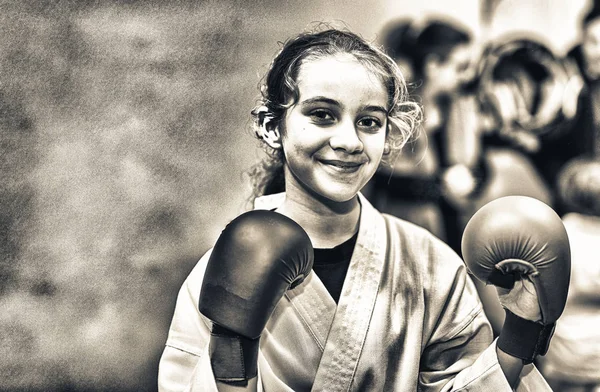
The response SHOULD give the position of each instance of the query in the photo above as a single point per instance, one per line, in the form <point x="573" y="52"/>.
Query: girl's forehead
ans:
<point x="339" y="73"/>
<point x="341" y="59"/>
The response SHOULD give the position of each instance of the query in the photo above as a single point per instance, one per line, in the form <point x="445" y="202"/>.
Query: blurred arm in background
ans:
<point x="573" y="361"/>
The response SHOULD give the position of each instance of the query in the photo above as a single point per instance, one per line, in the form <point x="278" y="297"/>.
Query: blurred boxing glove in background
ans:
<point x="257" y="258"/>
<point x="520" y="245"/>
<point x="532" y="92"/>
<point x="579" y="186"/>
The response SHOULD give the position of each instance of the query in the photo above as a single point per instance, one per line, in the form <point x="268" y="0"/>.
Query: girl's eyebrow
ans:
<point x="321" y="99"/>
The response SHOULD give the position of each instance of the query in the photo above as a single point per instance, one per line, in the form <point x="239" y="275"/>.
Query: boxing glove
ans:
<point x="520" y="240"/>
<point x="256" y="259"/>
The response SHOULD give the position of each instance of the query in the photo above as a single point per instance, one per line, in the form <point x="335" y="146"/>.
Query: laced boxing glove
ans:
<point x="257" y="258"/>
<point x="520" y="245"/>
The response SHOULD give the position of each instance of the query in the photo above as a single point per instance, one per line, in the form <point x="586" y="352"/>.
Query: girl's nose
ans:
<point x="346" y="138"/>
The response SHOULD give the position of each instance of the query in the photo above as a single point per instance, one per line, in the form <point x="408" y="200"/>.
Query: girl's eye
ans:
<point x="321" y="116"/>
<point x="369" y="122"/>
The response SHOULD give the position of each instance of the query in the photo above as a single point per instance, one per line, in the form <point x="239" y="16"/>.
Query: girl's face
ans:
<point x="333" y="137"/>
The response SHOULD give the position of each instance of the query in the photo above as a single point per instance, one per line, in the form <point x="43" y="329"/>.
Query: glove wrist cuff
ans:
<point x="523" y="338"/>
<point x="233" y="357"/>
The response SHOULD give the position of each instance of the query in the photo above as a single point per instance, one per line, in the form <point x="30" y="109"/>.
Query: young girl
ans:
<point x="388" y="307"/>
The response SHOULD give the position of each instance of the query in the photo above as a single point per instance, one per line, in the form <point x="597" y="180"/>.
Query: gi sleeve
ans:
<point x="185" y="361"/>
<point x="460" y="354"/>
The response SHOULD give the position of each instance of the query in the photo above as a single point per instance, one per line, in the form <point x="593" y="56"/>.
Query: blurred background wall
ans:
<point x="124" y="138"/>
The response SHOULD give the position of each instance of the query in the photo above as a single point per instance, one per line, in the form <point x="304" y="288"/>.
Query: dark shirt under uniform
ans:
<point x="331" y="265"/>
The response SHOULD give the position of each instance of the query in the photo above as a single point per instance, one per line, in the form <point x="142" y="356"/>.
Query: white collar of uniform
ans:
<point x="269" y="202"/>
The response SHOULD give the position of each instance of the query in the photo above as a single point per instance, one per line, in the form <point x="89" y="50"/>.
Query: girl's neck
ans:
<point x="326" y="222"/>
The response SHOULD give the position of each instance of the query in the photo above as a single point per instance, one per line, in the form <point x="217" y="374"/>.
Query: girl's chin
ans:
<point x="327" y="189"/>
<point x="338" y="194"/>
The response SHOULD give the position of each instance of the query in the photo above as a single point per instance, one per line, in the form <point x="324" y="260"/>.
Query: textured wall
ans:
<point x="124" y="139"/>
<point x="124" y="135"/>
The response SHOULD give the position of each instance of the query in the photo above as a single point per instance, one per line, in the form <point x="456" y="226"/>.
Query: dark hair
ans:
<point x="439" y="37"/>
<point x="279" y="91"/>
<point x="398" y="39"/>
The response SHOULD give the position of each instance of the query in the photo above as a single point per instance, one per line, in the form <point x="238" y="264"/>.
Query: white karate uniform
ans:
<point x="409" y="318"/>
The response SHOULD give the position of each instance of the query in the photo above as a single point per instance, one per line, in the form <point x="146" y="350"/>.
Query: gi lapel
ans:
<point x="311" y="300"/>
<point x="341" y="332"/>
<point x="316" y="308"/>
<point x="351" y="322"/>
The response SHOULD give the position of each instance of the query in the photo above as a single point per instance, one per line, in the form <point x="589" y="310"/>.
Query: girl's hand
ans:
<point x="522" y="300"/>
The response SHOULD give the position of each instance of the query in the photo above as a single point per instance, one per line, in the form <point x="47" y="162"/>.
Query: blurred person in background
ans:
<point x="543" y="103"/>
<point x="586" y="54"/>
<point x="573" y="362"/>
<point x="387" y="306"/>
<point x="584" y="136"/>
<point x="444" y="47"/>
<point x="407" y="187"/>
<point x="589" y="50"/>
<point x="535" y="95"/>
<point x="397" y="38"/>
<point x="447" y="57"/>
<point x="531" y="94"/>
<point x="438" y="50"/>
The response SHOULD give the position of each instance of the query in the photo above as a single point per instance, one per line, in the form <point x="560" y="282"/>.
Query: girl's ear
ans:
<point x="267" y="129"/>
<point x="270" y="134"/>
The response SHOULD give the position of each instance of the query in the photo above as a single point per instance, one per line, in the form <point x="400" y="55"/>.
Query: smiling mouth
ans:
<point x="342" y="166"/>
